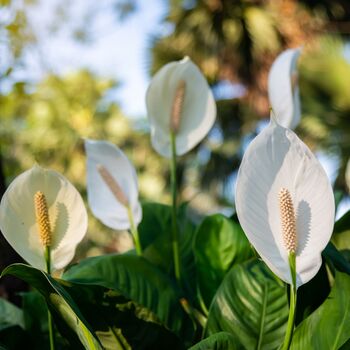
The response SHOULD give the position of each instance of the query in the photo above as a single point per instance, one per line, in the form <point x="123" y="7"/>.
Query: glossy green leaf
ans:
<point x="10" y="315"/>
<point x="336" y="258"/>
<point x="217" y="341"/>
<point x="136" y="279"/>
<point x="67" y="316"/>
<point x="341" y="233"/>
<point x="328" y="328"/>
<point x="156" y="240"/>
<point x="252" y="305"/>
<point x="119" y="323"/>
<point x="219" y="243"/>
<point x="308" y="300"/>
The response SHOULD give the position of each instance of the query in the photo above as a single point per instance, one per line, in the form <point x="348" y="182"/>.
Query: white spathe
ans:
<point x="67" y="214"/>
<point x="102" y="201"/>
<point x="198" y="113"/>
<point x="283" y="88"/>
<point x="277" y="159"/>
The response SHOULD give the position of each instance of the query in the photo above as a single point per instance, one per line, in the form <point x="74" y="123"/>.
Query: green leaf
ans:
<point x="67" y="316"/>
<point x="156" y="240"/>
<point x="219" y="243"/>
<point x="328" y="328"/>
<point x="136" y="279"/>
<point x="308" y="301"/>
<point x="120" y="323"/>
<point x="13" y="338"/>
<point x="10" y="315"/>
<point x="336" y="258"/>
<point x="341" y="232"/>
<point x="252" y="305"/>
<point x="217" y="341"/>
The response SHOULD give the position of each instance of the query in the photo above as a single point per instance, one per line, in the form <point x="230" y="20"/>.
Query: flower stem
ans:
<point x="134" y="232"/>
<point x="49" y="317"/>
<point x="175" y="235"/>
<point x="292" y="304"/>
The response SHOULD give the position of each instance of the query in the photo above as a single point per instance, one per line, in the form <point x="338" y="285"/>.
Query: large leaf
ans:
<point x="341" y="232"/>
<point x="252" y="305"/>
<point x="328" y="328"/>
<point x="10" y="315"/>
<point x="217" y="341"/>
<point x="13" y="338"/>
<point x="67" y="315"/>
<point x="138" y="280"/>
<point x="308" y="300"/>
<point x="336" y="258"/>
<point x="156" y="240"/>
<point x="119" y="323"/>
<point x="219" y="243"/>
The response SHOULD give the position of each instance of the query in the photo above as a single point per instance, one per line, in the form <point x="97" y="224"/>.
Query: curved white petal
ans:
<point x="277" y="159"/>
<point x="102" y="201"/>
<point x="283" y="92"/>
<point x="198" y="112"/>
<point x="67" y="215"/>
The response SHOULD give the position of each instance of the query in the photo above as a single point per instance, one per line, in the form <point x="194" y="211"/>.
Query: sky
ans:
<point x="120" y="48"/>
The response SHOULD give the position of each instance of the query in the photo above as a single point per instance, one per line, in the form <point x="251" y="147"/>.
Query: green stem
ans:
<point x="49" y="317"/>
<point x="134" y="232"/>
<point x="175" y="235"/>
<point x="292" y="304"/>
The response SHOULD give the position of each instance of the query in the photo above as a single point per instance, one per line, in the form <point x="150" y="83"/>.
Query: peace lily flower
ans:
<point x="112" y="187"/>
<point x="179" y="101"/>
<point x="42" y="211"/>
<point x="285" y="204"/>
<point x="283" y="88"/>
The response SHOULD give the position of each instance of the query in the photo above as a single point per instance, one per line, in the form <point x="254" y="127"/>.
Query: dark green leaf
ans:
<point x="14" y="338"/>
<point x="342" y="224"/>
<point x="67" y="316"/>
<point x="120" y="323"/>
<point x="341" y="232"/>
<point x="217" y="341"/>
<point x="10" y="315"/>
<point x="156" y="240"/>
<point x="308" y="300"/>
<point x="136" y="279"/>
<point x="219" y="243"/>
<point x="329" y="326"/>
<point x="336" y="258"/>
<point x="252" y="305"/>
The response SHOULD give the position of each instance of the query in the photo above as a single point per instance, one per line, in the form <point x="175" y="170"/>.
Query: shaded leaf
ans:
<point x="336" y="258"/>
<point x="136" y="279"/>
<point x="252" y="305"/>
<point x="67" y="316"/>
<point x="10" y="315"/>
<point x="329" y="325"/>
<point x="217" y="341"/>
<point x="120" y="323"/>
<point x="219" y="243"/>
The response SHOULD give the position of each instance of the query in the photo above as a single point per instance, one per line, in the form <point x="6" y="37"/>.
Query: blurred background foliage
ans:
<point x="233" y="42"/>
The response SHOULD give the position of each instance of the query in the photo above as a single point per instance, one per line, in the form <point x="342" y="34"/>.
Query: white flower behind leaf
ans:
<point x="66" y="213"/>
<point x="111" y="185"/>
<point x="179" y="100"/>
<point x="285" y="203"/>
<point x="283" y="88"/>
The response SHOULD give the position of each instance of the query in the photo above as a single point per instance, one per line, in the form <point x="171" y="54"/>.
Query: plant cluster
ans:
<point x="217" y="285"/>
